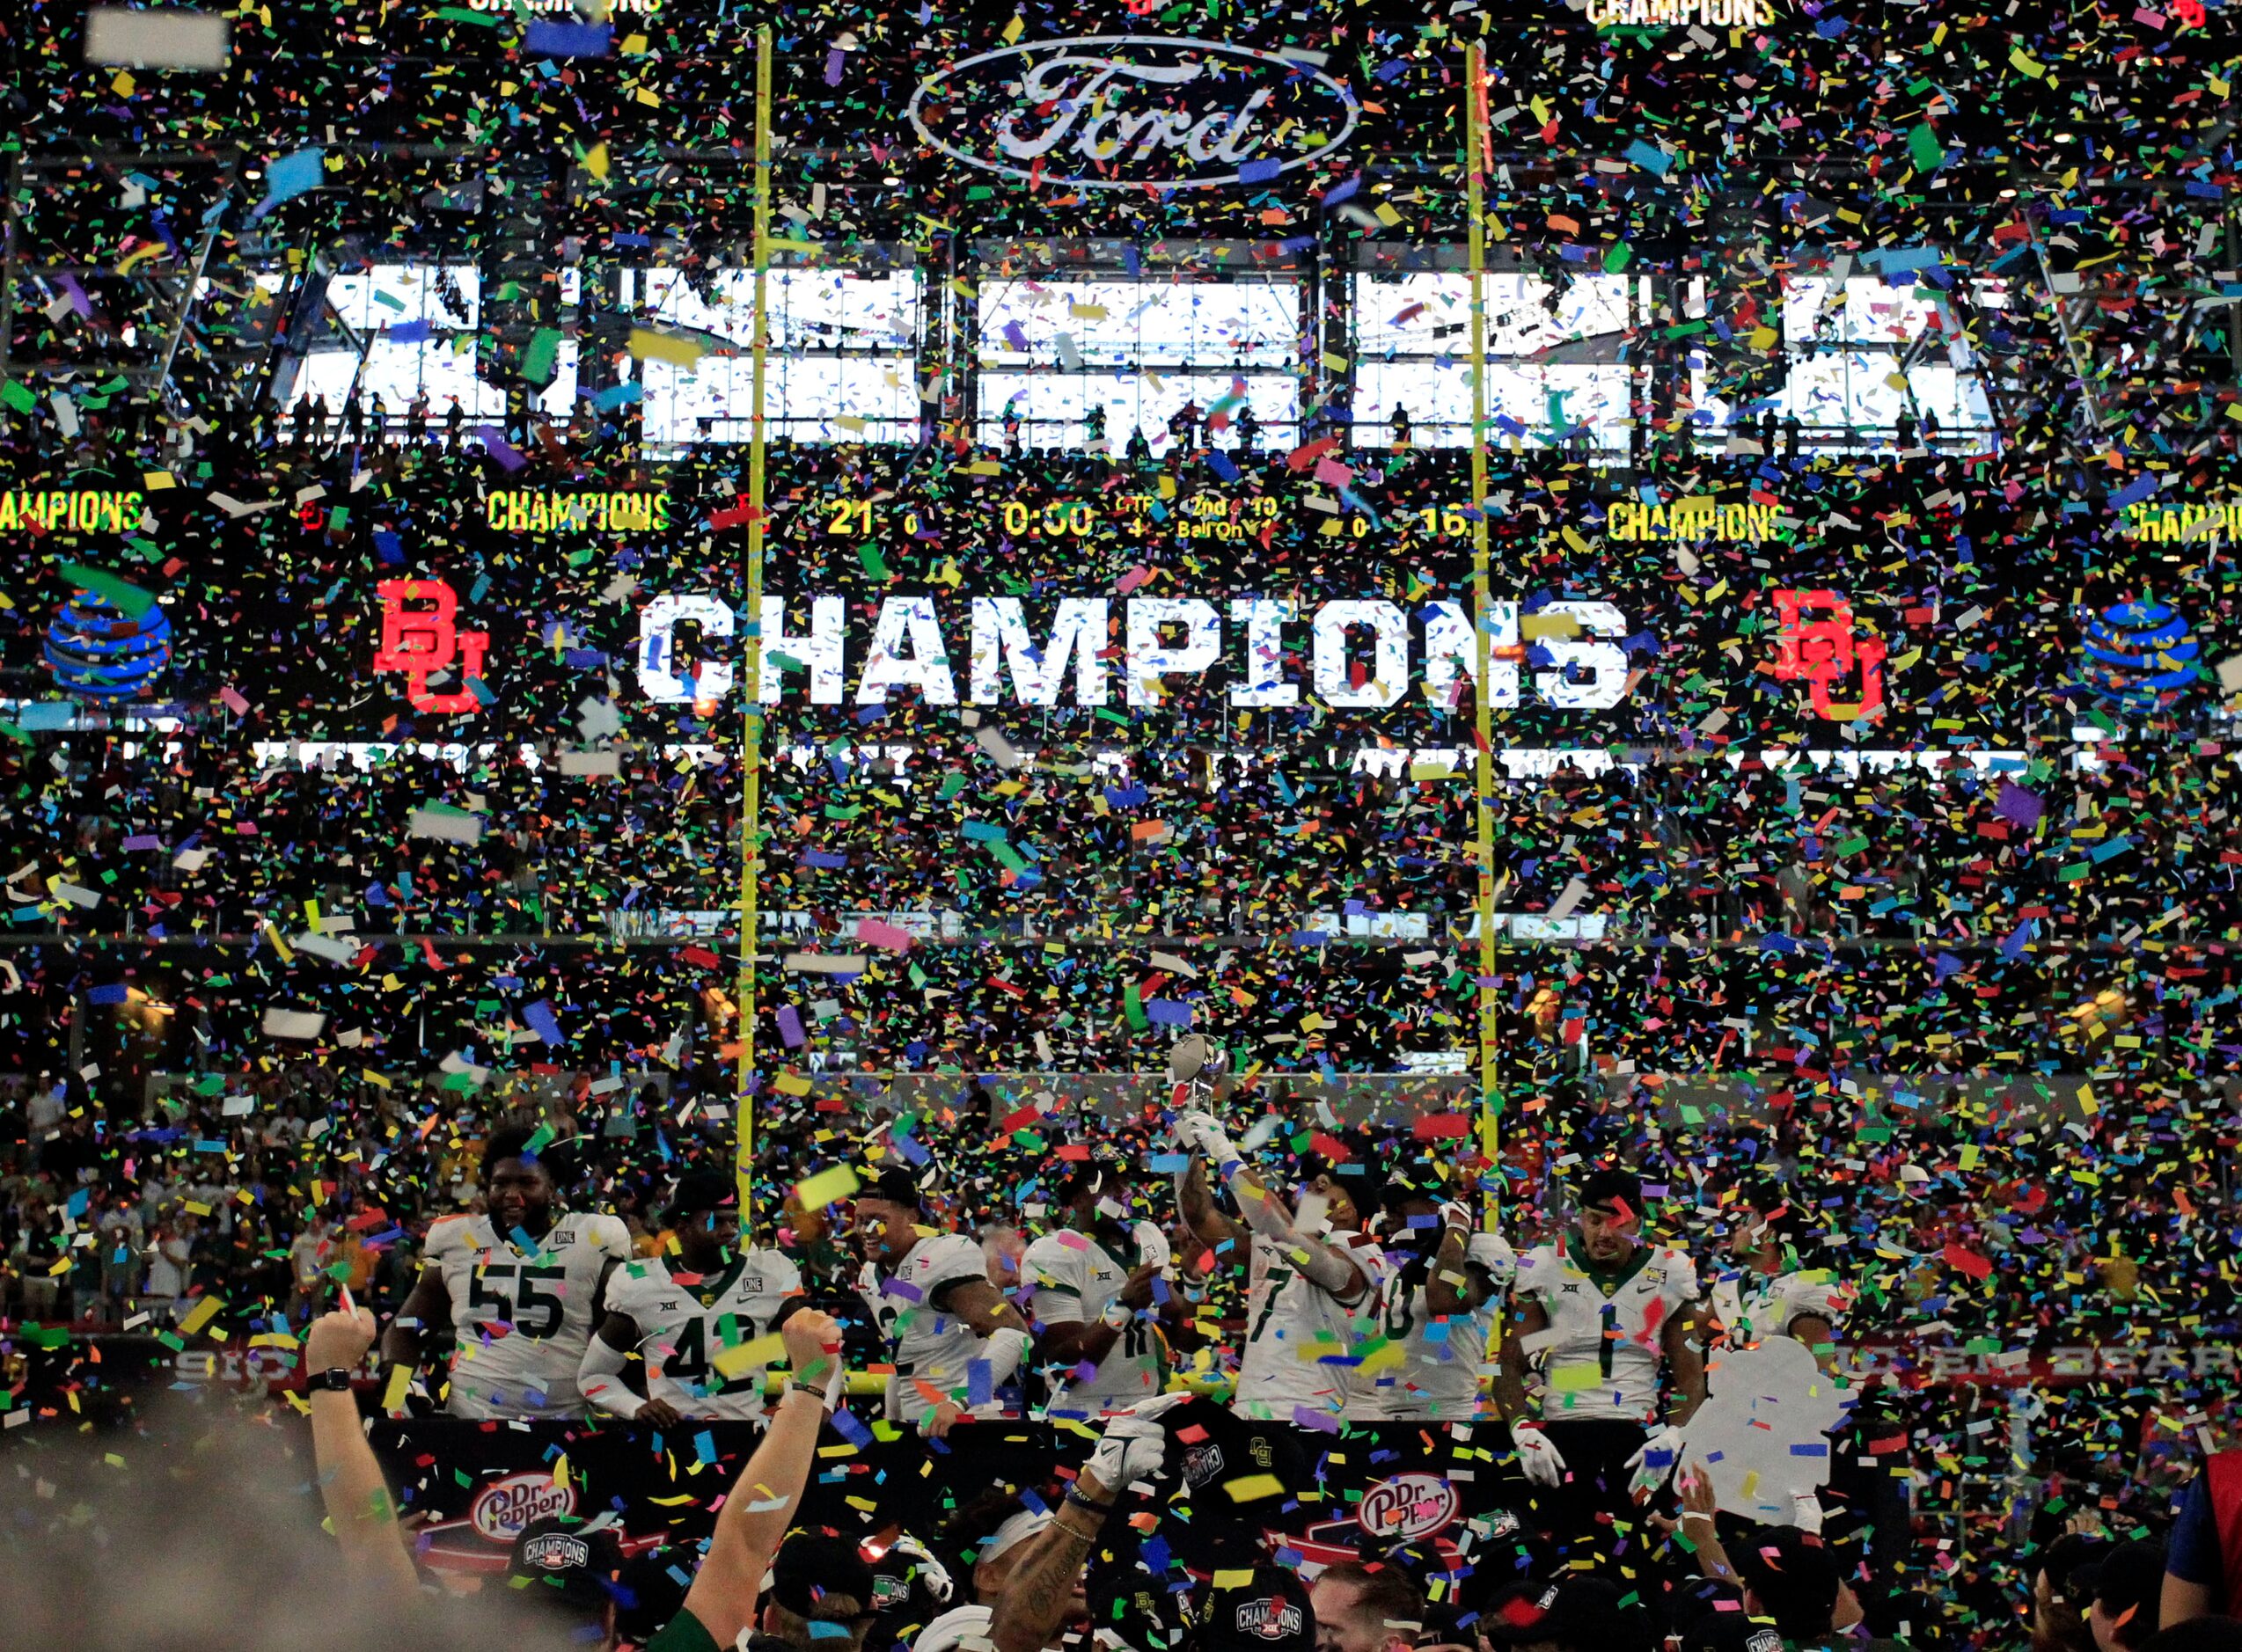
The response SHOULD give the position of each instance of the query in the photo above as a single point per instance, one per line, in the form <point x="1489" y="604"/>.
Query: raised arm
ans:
<point x="1683" y="1338"/>
<point x="1324" y="1266"/>
<point x="761" y="1503"/>
<point x="1040" y="1590"/>
<point x="1529" y="1319"/>
<point x="351" y="1483"/>
<point x="1195" y="1202"/>
<point x="427" y="1307"/>
<point x="1455" y="1284"/>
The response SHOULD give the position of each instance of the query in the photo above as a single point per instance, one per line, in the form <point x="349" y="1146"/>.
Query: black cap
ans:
<point x="702" y="1190"/>
<point x="571" y="1568"/>
<point x="896" y="1185"/>
<point x="2070" y="1563"/>
<point x="1270" y="1612"/>
<point x="1585" y="1613"/>
<point x="814" y="1566"/>
<point x="1794" y="1574"/>
<point x="2129" y="1589"/>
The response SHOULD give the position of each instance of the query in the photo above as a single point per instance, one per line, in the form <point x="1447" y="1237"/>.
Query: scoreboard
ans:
<point x="1285" y="600"/>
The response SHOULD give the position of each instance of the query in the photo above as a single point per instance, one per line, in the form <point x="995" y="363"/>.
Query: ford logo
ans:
<point x="1404" y="1506"/>
<point x="1127" y="111"/>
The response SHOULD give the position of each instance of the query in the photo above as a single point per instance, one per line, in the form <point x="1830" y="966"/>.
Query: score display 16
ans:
<point x="1135" y="512"/>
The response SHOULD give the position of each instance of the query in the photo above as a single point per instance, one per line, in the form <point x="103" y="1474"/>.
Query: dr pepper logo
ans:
<point x="503" y="1508"/>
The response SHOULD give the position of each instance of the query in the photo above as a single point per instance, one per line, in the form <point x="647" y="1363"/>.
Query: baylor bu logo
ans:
<point x="420" y="639"/>
<point x="1126" y="111"/>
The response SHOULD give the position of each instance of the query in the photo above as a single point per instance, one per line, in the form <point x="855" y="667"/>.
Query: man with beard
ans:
<point x="952" y="1337"/>
<point x="687" y="1315"/>
<point x="1601" y="1316"/>
<point x="1098" y="1319"/>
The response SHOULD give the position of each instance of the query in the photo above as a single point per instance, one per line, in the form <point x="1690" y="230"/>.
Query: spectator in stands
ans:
<point x="2129" y="1585"/>
<point x="2063" y="1594"/>
<point x="2202" y="1575"/>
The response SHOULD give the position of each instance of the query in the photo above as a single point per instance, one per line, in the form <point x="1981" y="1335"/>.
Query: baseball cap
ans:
<point x="2128" y="1587"/>
<point x="1794" y="1574"/>
<point x="1589" y="1613"/>
<point x="812" y="1567"/>
<point x="2070" y="1563"/>
<point x="570" y="1567"/>
<point x="703" y="1190"/>
<point x="896" y="1185"/>
<point x="1266" y="1611"/>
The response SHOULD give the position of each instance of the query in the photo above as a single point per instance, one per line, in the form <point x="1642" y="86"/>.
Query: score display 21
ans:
<point x="1197" y="515"/>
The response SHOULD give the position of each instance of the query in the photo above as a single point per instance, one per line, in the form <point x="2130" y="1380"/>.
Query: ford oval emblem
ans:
<point x="1129" y="111"/>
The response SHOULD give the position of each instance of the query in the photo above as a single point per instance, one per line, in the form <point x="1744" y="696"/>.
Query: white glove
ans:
<point x="929" y="1571"/>
<point x="1209" y="1139"/>
<point x="1153" y="1248"/>
<point x="1190" y="1128"/>
<point x="1454" y="1213"/>
<point x="1657" y="1458"/>
<point x="1133" y="1446"/>
<point x="1805" y="1511"/>
<point x="1538" y="1458"/>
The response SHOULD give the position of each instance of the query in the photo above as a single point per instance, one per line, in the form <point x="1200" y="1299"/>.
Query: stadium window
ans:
<point x="1865" y="361"/>
<point x="1554" y="374"/>
<point x="378" y="301"/>
<point x="841" y="365"/>
<point x="1058" y="357"/>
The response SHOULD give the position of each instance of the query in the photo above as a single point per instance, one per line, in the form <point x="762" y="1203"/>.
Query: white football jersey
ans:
<point x="1294" y="1324"/>
<point x="1074" y="1279"/>
<point x="1599" y="1358"/>
<point x="925" y="1344"/>
<point x="684" y="1328"/>
<point x="1752" y="1306"/>
<point x="521" y="1320"/>
<point x="1436" y="1378"/>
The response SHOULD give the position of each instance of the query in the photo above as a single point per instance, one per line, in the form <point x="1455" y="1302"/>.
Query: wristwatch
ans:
<point x="335" y="1381"/>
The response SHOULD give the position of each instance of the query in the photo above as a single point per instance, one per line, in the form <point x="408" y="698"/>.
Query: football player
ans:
<point x="1600" y="1316"/>
<point x="517" y="1288"/>
<point x="1097" y="1318"/>
<point x="952" y="1337"/>
<point x="1313" y="1272"/>
<point x="1444" y="1290"/>
<point x="690" y="1314"/>
<point x="1770" y="1291"/>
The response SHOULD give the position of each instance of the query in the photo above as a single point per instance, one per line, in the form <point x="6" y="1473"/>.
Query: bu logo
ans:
<point x="420" y="640"/>
<point x="1816" y="641"/>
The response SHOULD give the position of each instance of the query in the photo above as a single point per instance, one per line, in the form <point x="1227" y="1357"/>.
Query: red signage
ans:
<point x="420" y="639"/>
